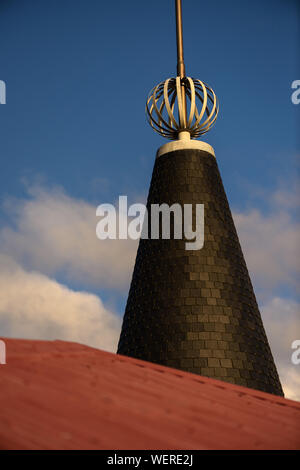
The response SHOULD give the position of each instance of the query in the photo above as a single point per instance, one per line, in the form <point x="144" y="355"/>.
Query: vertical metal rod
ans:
<point x="180" y="61"/>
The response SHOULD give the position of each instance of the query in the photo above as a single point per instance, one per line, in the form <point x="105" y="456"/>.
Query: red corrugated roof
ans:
<point x="61" y="395"/>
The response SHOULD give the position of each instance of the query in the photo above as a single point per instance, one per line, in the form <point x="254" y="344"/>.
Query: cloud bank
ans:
<point x="281" y="318"/>
<point x="52" y="232"/>
<point x="34" y="306"/>
<point x="271" y="242"/>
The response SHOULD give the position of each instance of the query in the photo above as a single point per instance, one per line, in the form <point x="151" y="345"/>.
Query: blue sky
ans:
<point x="77" y="75"/>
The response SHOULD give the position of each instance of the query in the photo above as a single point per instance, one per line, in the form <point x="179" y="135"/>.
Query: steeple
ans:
<point x="194" y="310"/>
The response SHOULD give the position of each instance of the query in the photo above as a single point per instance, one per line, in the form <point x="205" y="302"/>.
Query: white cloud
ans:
<point x="34" y="306"/>
<point x="271" y="246"/>
<point x="291" y="383"/>
<point x="286" y="198"/>
<point x="281" y="318"/>
<point x="56" y="233"/>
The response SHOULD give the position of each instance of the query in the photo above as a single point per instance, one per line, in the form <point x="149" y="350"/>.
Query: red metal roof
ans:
<point x="61" y="395"/>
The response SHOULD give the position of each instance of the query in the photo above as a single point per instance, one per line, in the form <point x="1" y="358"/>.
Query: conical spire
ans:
<point x="195" y="310"/>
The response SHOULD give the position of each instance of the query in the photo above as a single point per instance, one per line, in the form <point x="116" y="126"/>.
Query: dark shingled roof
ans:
<point x="61" y="395"/>
<point x="196" y="310"/>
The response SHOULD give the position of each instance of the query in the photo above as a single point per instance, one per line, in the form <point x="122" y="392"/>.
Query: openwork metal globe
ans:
<point x="182" y="104"/>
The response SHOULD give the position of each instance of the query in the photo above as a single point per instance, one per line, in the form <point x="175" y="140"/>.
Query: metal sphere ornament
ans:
<point x="182" y="105"/>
